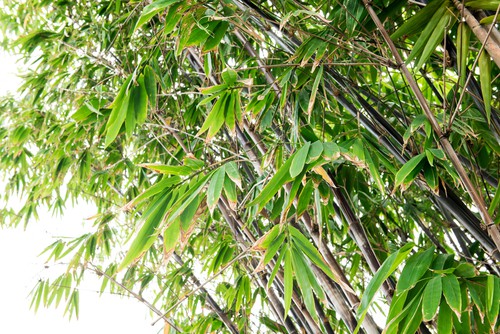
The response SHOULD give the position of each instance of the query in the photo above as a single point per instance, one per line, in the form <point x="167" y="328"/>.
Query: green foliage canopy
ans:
<point x="265" y="166"/>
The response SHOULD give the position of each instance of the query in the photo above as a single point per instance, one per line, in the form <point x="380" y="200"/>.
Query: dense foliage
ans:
<point x="265" y="166"/>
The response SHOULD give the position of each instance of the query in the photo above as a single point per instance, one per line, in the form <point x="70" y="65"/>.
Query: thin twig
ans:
<point x="202" y="285"/>
<point x="136" y="296"/>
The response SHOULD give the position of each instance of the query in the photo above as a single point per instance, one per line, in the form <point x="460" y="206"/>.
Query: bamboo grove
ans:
<point x="264" y="166"/>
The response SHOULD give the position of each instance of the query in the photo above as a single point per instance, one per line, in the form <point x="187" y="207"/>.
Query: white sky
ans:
<point x="21" y="268"/>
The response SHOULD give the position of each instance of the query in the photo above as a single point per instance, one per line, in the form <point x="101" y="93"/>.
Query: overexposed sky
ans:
<point x="21" y="268"/>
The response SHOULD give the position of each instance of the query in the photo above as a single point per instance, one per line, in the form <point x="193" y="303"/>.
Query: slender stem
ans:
<point x="213" y="304"/>
<point x="202" y="285"/>
<point x="136" y="296"/>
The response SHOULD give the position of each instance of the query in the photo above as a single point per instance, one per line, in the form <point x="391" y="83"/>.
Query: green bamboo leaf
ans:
<point x="299" y="160"/>
<point x="397" y="312"/>
<point x="273" y="248"/>
<point x="109" y="272"/>
<point x="215" y="119"/>
<point x="215" y="188"/>
<point x="165" y="183"/>
<point x="81" y="114"/>
<point x="315" y="151"/>
<point x="283" y="96"/>
<point x="463" y="41"/>
<point x="288" y="280"/>
<point x="276" y="267"/>
<point x="483" y="4"/>
<point x="354" y="12"/>
<point x="292" y="194"/>
<point x="237" y="107"/>
<point x="174" y="15"/>
<point x="171" y="236"/>
<point x="305" y="246"/>
<point x="212" y="97"/>
<point x="374" y="171"/>
<point x="403" y="318"/>
<point x="213" y="89"/>
<point x="37" y="296"/>
<point x="432" y="178"/>
<point x="118" y="112"/>
<point x="140" y="101"/>
<point x="216" y="112"/>
<point x="273" y="325"/>
<point x="410" y="170"/>
<point x="430" y="157"/>
<point x="150" y="85"/>
<point x="414" y="269"/>
<point x="489" y="20"/>
<point x="485" y="76"/>
<point x="300" y="269"/>
<point x="477" y="291"/>
<point x="233" y="173"/>
<point x="196" y="186"/>
<point x="265" y="241"/>
<point x="216" y="36"/>
<point x="414" y="317"/>
<point x="432" y="23"/>
<point x="148" y="232"/>
<point x="451" y="291"/>
<point x="445" y="319"/>
<point x="281" y="177"/>
<point x="314" y="91"/>
<point x="493" y="294"/>
<point x="490" y="291"/>
<point x="187" y="217"/>
<point x="331" y="151"/>
<point x="229" y="76"/>
<point x="305" y="198"/>
<point x="438" y="153"/>
<point x="466" y="270"/>
<point x="169" y="170"/>
<point x="316" y="287"/>
<point x="200" y="32"/>
<point x="495" y="202"/>
<point x="230" y="192"/>
<point x="432" y="298"/>
<point x="385" y="270"/>
<point x="435" y="38"/>
<point x="131" y="119"/>
<point x="151" y="10"/>
<point x="229" y="117"/>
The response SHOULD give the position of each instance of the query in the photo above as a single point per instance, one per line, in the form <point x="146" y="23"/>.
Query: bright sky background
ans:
<point x="21" y="268"/>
